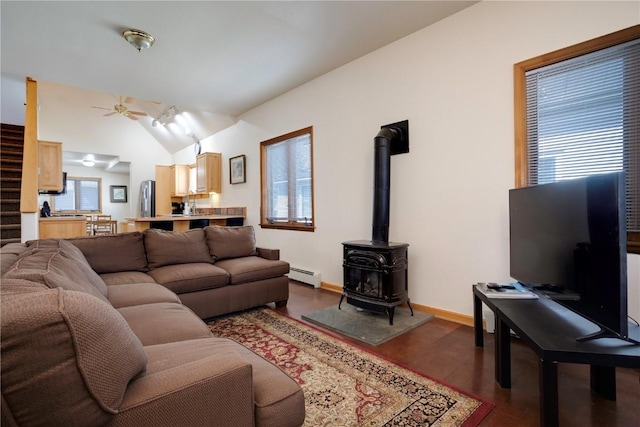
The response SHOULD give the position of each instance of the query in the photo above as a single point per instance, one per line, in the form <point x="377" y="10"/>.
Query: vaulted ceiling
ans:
<point x="214" y="59"/>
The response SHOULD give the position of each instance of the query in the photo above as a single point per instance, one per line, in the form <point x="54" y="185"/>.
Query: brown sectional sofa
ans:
<point x="105" y="331"/>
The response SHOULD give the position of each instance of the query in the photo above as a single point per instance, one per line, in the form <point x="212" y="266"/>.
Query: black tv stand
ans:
<point x="530" y="320"/>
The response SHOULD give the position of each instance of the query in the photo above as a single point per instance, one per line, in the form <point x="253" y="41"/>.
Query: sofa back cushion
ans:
<point x="53" y="268"/>
<point x="173" y="247"/>
<point x="230" y="242"/>
<point x="9" y="254"/>
<point x="75" y="254"/>
<point x="67" y="358"/>
<point x="114" y="252"/>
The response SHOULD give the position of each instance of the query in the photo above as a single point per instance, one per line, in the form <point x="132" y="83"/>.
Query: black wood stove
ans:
<point x="375" y="271"/>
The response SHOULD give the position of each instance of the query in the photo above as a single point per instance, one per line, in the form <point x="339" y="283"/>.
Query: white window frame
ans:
<point x="76" y="194"/>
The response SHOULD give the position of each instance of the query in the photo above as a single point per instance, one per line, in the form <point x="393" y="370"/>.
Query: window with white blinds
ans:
<point x="287" y="181"/>
<point x="82" y="196"/>
<point x="582" y="117"/>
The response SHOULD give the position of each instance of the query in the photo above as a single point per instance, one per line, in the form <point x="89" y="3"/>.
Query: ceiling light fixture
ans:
<point x="139" y="39"/>
<point x="165" y="116"/>
<point x="88" y="162"/>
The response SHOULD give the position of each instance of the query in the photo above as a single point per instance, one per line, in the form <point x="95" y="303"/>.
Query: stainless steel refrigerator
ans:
<point x="147" y="198"/>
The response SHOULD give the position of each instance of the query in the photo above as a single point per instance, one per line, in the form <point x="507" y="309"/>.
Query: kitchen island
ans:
<point x="181" y="222"/>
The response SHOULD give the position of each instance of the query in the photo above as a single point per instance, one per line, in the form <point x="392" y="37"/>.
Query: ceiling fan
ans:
<point x="122" y="109"/>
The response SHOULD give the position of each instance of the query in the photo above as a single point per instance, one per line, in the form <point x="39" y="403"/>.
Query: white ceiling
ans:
<point x="105" y="162"/>
<point x="214" y="59"/>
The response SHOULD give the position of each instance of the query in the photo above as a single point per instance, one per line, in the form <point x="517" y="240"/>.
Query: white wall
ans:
<point x="453" y="81"/>
<point x="13" y="96"/>
<point x="66" y="116"/>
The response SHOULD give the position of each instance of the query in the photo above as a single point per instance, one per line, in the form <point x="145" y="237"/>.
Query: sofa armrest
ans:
<point x="216" y="390"/>
<point x="270" y="254"/>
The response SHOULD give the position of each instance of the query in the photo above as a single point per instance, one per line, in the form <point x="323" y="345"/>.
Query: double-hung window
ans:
<point x="287" y="181"/>
<point x="577" y="113"/>
<point x="83" y="195"/>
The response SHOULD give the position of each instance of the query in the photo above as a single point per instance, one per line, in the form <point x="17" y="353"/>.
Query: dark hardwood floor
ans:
<point x="446" y="351"/>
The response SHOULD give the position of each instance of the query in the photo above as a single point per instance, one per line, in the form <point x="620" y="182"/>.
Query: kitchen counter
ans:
<point x="62" y="227"/>
<point x="181" y="222"/>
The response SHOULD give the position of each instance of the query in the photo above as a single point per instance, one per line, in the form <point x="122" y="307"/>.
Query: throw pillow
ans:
<point x="66" y="356"/>
<point x="230" y="242"/>
<point x="173" y="247"/>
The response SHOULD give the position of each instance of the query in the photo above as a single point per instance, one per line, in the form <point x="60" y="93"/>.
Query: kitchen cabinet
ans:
<point x="49" y="166"/>
<point x="179" y="180"/>
<point x="209" y="173"/>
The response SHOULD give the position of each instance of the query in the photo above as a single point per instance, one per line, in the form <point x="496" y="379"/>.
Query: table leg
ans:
<point x="603" y="381"/>
<point x="477" y="320"/>
<point x="503" y="353"/>
<point x="548" y="388"/>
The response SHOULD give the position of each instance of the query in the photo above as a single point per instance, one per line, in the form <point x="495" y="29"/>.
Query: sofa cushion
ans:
<point x="71" y="251"/>
<point x="124" y="277"/>
<point x="131" y="294"/>
<point x="278" y="399"/>
<point x="79" y="349"/>
<point x="172" y="247"/>
<point x="164" y="322"/>
<point x="54" y="269"/>
<point x="212" y="390"/>
<point x="190" y="277"/>
<point x="76" y="254"/>
<point x="252" y="268"/>
<point x="230" y="242"/>
<point x="113" y="252"/>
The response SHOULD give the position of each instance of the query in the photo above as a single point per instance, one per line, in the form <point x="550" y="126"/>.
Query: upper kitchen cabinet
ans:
<point x="49" y="166"/>
<point x="179" y="180"/>
<point x="209" y="173"/>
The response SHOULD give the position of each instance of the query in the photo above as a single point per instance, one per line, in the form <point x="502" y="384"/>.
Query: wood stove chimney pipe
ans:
<point x="392" y="139"/>
<point x="382" y="182"/>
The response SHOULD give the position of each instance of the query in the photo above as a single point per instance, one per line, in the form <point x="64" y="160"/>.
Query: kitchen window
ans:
<point x="83" y="196"/>
<point x="577" y="113"/>
<point x="287" y="181"/>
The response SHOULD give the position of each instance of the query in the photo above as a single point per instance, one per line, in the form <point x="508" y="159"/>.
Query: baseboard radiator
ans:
<point x="305" y="276"/>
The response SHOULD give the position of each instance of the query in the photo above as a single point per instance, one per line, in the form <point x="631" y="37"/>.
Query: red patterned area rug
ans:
<point x="345" y="385"/>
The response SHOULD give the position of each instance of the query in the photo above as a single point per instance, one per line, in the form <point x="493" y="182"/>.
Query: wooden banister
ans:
<point x="29" y="186"/>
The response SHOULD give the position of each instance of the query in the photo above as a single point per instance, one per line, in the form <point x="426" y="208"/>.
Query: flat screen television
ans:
<point x="568" y="240"/>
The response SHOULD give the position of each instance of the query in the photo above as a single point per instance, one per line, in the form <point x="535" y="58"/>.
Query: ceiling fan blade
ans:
<point x="102" y="108"/>
<point x="110" y="114"/>
<point x="132" y="117"/>
<point x="128" y="100"/>
<point x="137" y="113"/>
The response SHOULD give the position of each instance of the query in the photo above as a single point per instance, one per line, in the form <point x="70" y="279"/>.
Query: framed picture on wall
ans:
<point x="237" y="170"/>
<point x="118" y="193"/>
